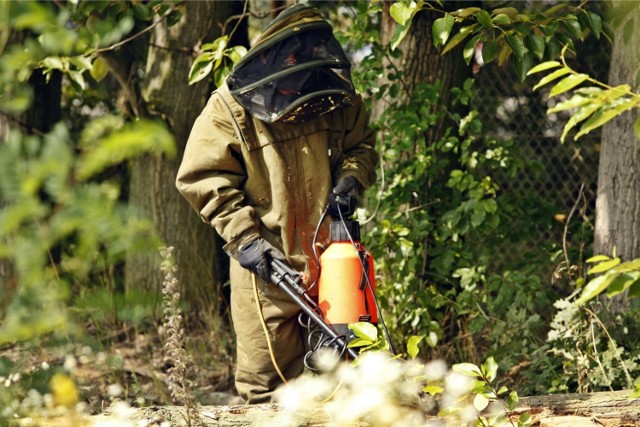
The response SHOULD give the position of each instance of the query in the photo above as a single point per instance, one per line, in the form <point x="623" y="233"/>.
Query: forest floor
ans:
<point x="122" y="363"/>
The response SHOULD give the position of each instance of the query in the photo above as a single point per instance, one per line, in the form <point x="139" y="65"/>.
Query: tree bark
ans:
<point x="608" y="409"/>
<point x="618" y="198"/>
<point x="200" y="261"/>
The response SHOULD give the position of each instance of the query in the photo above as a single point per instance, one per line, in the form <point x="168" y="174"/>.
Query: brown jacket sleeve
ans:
<point x="359" y="155"/>
<point x="212" y="174"/>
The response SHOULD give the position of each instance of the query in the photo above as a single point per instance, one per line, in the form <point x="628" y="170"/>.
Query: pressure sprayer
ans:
<point x="346" y="287"/>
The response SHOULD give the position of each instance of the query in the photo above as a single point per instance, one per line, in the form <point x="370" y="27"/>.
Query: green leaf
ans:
<point x="412" y="346"/>
<point x="201" y="68"/>
<point x="457" y="39"/>
<point x="573" y="102"/>
<point x="433" y="389"/>
<point x="470" y="48"/>
<point x="568" y="83"/>
<point x="636" y="129"/>
<point x="536" y="45"/>
<point x="468" y="369"/>
<point x="551" y="77"/>
<point x="581" y="114"/>
<point x="364" y="330"/>
<point x="480" y="402"/>
<point x="441" y="29"/>
<point x="573" y="27"/>
<point x="544" y="67"/>
<point x="99" y="70"/>
<point x="484" y="19"/>
<point x="402" y="12"/>
<point x="594" y="288"/>
<point x="516" y="44"/>
<point x="236" y="53"/>
<point x="595" y="23"/>
<point x="604" y="266"/>
<point x="604" y="115"/>
<point x="622" y="282"/>
<point x="463" y="13"/>
<point x="525" y="420"/>
<point x="490" y="369"/>
<point x="597" y="258"/>
<point x="129" y="142"/>
<point x="399" y="34"/>
<point x="53" y="62"/>
<point x="501" y="19"/>
<point x="523" y="65"/>
<point x="490" y="50"/>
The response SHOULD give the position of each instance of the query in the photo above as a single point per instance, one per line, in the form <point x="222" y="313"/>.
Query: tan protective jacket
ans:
<point x="248" y="178"/>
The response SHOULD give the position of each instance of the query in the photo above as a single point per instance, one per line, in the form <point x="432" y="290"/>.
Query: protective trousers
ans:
<point x="256" y="377"/>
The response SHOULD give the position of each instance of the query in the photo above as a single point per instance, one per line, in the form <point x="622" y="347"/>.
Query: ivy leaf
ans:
<point x="99" y="70"/>
<point x="442" y="29"/>
<point x="516" y="44"/>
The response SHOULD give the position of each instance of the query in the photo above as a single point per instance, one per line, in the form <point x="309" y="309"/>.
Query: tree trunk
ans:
<point x="618" y="199"/>
<point x="421" y="61"/>
<point x="200" y="261"/>
<point x="38" y="119"/>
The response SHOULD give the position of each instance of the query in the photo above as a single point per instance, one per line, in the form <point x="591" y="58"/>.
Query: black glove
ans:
<point x="343" y="197"/>
<point x="347" y="186"/>
<point x="257" y="255"/>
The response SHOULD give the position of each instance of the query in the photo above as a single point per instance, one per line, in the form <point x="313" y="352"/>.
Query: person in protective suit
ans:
<point x="285" y="131"/>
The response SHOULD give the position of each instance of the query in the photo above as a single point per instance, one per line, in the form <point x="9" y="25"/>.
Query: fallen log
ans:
<point x="603" y="409"/>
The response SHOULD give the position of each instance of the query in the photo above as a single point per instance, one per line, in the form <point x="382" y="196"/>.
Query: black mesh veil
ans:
<point x="294" y="77"/>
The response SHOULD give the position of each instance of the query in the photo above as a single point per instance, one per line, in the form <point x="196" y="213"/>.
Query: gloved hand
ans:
<point x="347" y="186"/>
<point x="343" y="197"/>
<point x="257" y="255"/>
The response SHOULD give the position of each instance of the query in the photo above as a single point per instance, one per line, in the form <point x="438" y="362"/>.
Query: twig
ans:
<point x="566" y="229"/>
<point x="138" y="34"/>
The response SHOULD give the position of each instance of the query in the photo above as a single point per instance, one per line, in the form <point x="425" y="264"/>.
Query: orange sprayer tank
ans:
<point x="344" y="294"/>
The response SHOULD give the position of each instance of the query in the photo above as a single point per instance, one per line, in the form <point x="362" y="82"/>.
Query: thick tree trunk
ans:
<point x="618" y="200"/>
<point x="168" y="95"/>
<point x="421" y="62"/>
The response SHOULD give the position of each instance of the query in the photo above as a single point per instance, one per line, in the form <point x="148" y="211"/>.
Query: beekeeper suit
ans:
<point x="285" y="131"/>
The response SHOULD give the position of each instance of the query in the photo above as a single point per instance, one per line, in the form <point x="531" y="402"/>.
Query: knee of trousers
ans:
<point x="256" y="376"/>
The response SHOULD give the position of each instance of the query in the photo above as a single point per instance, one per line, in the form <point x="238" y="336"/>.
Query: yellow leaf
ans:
<point x="64" y="391"/>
